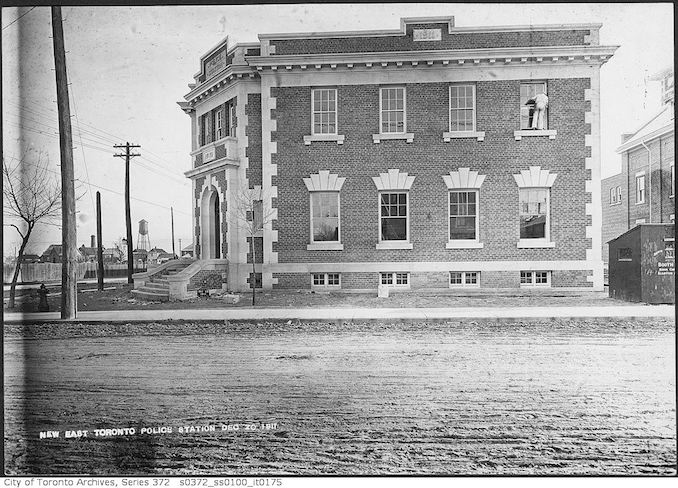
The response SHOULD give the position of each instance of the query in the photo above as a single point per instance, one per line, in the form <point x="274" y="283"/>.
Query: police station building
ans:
<point x="425" y="157"/>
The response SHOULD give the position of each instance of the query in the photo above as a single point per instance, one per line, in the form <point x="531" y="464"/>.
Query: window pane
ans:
<point x="394" y="229"/>
<point x="462" y="228"/>
<point x="533" y="213"/>
<point x="386" y="278"/>
<point x="455" y="278"/>
<point x="325" y="216"/>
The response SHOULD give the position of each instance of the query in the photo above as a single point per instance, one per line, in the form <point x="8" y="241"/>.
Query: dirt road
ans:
<point x="552" y="397"/>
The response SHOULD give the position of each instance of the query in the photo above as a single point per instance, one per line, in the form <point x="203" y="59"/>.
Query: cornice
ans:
<point x="563" y="54"/>
<point x="429" y="20"/>
<point x="230" y="75"/>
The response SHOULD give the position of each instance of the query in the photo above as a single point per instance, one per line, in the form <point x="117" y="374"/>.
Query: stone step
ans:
<point x="160" y="286"/>
<point x="150" y="294"/>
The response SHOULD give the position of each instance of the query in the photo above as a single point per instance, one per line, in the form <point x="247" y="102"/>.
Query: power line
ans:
<point x="18" y="18"/>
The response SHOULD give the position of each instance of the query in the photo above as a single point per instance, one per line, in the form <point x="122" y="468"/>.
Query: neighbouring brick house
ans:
<point x="643" y="192"/>
<point x="403" y="157"/>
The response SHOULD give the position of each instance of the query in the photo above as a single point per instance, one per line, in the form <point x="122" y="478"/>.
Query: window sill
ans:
<point x="325" y="246"/>
<point x="614" y="204"/>
<point x="535" y="244"/>
<point x="457" y="287"/>
<point x="458" y="244"/>
<point x="518" y="134"/>
<point x="407" y="136"/>
<point x="394" y="245"/>
<point x="480" y="135"/>
<point x="540" y="285"/>
<point x="640" y="203"/>
<point x="339" y="139"/>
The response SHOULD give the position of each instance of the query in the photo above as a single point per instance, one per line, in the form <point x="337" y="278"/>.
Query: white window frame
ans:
<point x="533" y="279"/>
<point x="619" y="194"/>
<point x="325" y="285"/>
<point x="394" y="279"/>
<point x="310" y="200"/>
<point x="381" y="110"/>
<point x="395" y="243"/>
<point x="640" y="192"/>
<point x="231" y="119"/>
<point x="313" y="112"/>
<point x="526" y="242"/>
<point x="673" y="179"/>
<point x="449" y="217"/>
<point x="473" y="90"/>
<point x="219" y="124"/>
<point x="546" y="121"/>
<point x="613" y="196"/>
<point x="464" y="276"/>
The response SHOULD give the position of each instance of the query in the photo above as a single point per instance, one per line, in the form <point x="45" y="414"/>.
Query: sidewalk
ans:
<point x="331" y="314"/>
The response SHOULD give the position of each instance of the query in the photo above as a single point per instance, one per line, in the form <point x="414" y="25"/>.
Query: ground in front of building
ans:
<point x="117" y="296"/>
<point x="461" y="397"/>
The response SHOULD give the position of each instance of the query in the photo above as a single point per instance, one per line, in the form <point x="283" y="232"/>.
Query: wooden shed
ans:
<point x="642" y="264"/>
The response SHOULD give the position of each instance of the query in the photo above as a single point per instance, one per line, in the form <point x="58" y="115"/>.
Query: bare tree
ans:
<point x="30" y="195"/>
<point x="251" y="216"/>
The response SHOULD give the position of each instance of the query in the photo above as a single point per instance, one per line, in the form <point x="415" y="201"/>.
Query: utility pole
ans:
<point x="69" y="281"/>
<point x="128" y="218"/>
<point x="173" y="250"/>
<point x="100" y="248"/>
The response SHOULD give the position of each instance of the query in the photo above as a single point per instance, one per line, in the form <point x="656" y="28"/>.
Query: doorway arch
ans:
<point x="210" y="225"/>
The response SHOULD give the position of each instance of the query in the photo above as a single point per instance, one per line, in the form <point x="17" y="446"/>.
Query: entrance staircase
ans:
<point x="156" y="287"/>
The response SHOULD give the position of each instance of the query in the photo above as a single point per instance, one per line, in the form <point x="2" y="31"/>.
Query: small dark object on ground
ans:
<point x="43" y="306"/>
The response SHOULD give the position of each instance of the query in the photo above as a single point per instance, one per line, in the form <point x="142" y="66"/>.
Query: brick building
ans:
<point x="401" y="157"/>
<point x="643" y="191"/>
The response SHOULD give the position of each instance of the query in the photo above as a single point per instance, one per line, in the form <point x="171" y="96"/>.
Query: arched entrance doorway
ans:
<point x="210" y="225"/>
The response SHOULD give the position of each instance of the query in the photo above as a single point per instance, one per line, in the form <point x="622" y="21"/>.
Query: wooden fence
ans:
<point x="51" y="272"/>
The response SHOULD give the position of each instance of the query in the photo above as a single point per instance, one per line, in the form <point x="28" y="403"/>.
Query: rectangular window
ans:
<point x="464" y="278"/>
<point x="534" y="213"/>
<point x="463" y="215"/>
<point x="324" y="103"/>
<point x="673" y="179"/>
<point x="399" y="280"/>
<point x="613" y="196"/>
<point x="230" y="111"/>
<point x="535" y="278"/>
<point x="258" y="207"/>
<point x="325" y="280"/>
<point x="462" y="108"/>
<point x="325" y="216"/>
<point x="640" y="189"/>
<point x="393" y="216"/>
<point x="527" y="93"/>
<point x="393" y="110"/>
<point x="624" y="254"/>
<point x="619" y="194"/>
<point x="209" y="136"/>
<point x="219" y="122"/>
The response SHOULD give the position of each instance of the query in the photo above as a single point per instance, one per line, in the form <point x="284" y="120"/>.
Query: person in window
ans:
<point x="538" y="105"/>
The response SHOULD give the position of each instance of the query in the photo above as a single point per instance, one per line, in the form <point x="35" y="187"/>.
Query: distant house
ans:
<point x="140" y="257"/>
<point x="187" y="251"/>
<point x="110" y="255"/>
<point x="52" y="254"/>
<point x="88" y="253"/>
<point x="30" y="258"/>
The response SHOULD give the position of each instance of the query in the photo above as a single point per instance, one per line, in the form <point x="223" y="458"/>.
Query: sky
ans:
<point x="128" y="66"/>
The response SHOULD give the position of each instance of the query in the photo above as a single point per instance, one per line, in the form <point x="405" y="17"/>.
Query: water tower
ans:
<point x="142" y="236"/>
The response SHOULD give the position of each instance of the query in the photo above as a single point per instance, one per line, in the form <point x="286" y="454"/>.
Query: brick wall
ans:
<point x="667" y="203"/>
<point x="439" y="279"/>
<point x="615" y="216"/>
<point x="428" y="158"/>
<point x="206" y="279"/>
<point x="567" y="278"/>
<point x="258" y="249"/>
<point x="253" y="150"/>
<point x="448" y="41"/>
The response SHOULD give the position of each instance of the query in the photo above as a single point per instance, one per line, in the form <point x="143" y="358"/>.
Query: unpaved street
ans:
<point x="549" y="397"/>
